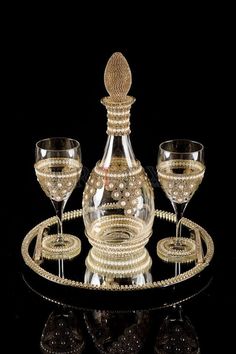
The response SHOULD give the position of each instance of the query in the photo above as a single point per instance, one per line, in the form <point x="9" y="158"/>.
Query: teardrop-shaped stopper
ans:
<point x="117" y="77"/>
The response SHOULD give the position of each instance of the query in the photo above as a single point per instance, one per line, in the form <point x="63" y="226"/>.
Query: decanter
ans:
<point x="118" y="199"/>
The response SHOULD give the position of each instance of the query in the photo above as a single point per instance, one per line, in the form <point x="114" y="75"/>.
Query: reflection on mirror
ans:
<point x="177" y="334"/>
<point x="61" y="333"/>
<point x="160" y="329"/>
<point x="118" y="332"/>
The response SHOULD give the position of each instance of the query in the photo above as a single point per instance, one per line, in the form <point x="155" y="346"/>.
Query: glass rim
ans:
<point x="201" y="146"/>
<point x="77" y="144"/>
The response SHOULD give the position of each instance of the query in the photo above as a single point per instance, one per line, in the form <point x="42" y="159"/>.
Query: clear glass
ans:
<point x="118" y="212"/>
<point x="58" y="167"/>
<point x="180" y="170"/>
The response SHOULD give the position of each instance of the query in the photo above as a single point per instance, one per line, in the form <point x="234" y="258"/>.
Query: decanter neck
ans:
<point x="118" y="146"/>
<point x="118" y="115"/>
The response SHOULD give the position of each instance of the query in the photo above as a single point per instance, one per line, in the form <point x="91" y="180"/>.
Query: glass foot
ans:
<point x="68" y="249"/>
<point x="183" y="252"/>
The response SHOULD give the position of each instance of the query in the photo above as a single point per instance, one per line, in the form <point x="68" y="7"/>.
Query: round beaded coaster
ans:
<point x="184" y="252"/>
<point x="70" y="249"/>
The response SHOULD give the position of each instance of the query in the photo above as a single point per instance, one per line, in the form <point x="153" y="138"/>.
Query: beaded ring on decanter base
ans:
<point x="199" y="267"/>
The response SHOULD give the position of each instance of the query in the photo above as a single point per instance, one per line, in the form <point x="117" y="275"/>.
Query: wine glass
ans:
<point x="180" y="170"/>
<point x="58" y="167"/>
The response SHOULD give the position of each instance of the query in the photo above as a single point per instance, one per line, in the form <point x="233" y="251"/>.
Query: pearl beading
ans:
<point x="118" y="115"/>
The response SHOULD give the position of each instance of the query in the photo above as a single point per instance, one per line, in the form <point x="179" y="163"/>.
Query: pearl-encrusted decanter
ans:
<point x="118" y="200"/>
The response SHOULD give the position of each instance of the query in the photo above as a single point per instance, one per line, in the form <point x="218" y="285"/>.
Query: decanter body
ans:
<point x="118" y="200"/>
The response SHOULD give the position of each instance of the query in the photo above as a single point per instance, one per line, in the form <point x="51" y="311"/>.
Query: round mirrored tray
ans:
<point x="164" y="274"/>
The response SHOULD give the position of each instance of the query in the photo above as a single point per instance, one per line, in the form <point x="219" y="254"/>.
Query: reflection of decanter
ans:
<point x="177" y="335"/>
<point x="61" y="334"/>
<point x="118" y="332"/>
<point x="118" y="200"/>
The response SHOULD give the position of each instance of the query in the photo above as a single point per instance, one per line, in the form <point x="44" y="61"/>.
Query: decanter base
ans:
<point x="114" y="266"/>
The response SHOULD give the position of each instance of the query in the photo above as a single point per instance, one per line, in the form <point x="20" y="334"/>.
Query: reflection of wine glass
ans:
<point x="177" y="335"/>
<point x="61" y="334"/>
<point x="58" y="168"/>
<point x="180" y="170"/>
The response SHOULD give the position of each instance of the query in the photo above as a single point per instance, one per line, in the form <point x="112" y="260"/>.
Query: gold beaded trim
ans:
<point x="170" y="164"/>
<point x="157" y="284"/>
<point x="118" y="115"/>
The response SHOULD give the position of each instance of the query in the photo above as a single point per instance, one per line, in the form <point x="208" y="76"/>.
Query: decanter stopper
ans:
<point x="117" y="77"/>
<point x="118" y="200"/>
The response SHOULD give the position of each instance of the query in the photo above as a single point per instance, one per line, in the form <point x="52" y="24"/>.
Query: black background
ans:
<point x="181" y="64"/>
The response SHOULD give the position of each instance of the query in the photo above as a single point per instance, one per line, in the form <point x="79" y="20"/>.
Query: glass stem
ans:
<point x="179" y="211"/>
<point x="59" y="208"/>
<point x="177" y="268"/>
